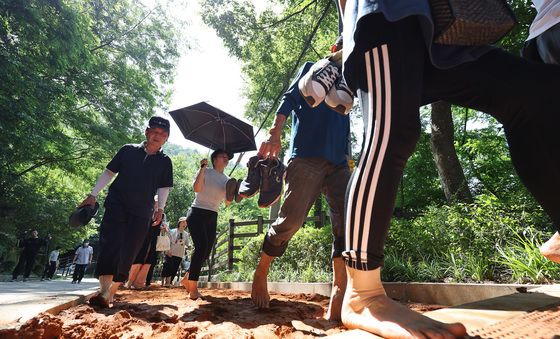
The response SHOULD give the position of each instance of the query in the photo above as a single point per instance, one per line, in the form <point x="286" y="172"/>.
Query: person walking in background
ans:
<point x="146" y="258"/>
<point x="173" y="258"/>
<point x="51" y="266"/>
<point x="82" y="258"/>
<point x="143" y="171"/>
<point x="211" y="186"/>
<point x="319" y="154"/>
<point x="27" y="256"/>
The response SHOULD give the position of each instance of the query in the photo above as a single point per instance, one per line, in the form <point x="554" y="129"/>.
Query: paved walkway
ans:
<point x="20" y="301"/>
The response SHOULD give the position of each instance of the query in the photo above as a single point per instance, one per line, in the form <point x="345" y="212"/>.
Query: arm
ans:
<point x="271" y="147"/>
<point x="163" y="194"/>
<point x="199" y="179"/>
<point x="102" y="181"/>
<point x="75" y="257"/>
<point x="90" y="256"/>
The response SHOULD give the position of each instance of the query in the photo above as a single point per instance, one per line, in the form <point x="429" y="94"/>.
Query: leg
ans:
<point x="19" y="267"/>
<point x="82" y="272"/>
<point x="304" y="178"/>
<point x="52" y="269"/>
<point x="522" y="96"/>
<point x="110" y="238"/>
<point x="200" y="225"/>
<point x="389" y="70"/>
<point x="211" y="225"/>
<point x="29" y="263"/>
<point x="334" y="190"/>
<point x="140" y="281"/>
<point x="75" y="273"/>
<point x="134" y="269"/>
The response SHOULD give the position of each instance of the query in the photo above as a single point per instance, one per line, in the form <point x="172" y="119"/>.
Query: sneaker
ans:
<point x="231" y="188"/>
<point x="250" y="186"/>
<point x="317" y="82"/>
<point x="340" y="97"/>
<point x="272" y="174"/>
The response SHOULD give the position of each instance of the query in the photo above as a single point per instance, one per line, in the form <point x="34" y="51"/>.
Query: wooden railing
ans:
<point x="320" y="221"/>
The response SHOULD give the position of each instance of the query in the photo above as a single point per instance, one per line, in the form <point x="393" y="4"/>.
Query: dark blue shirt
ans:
<point x="317" y="132"/>
<point x="139" y="177"/>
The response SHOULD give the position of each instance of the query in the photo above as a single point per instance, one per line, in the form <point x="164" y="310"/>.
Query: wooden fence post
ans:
<point x="259" y="224"/>
<point x="230" y="243"/>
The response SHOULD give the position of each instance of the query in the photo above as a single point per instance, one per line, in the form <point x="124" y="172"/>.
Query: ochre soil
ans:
<point x="168" y="313"/>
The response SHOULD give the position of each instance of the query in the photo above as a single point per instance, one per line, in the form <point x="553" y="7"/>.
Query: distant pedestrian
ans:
<point x="30" y="247"/>
<point x="52" y="264"/>
<point x="82" y="258"/>
<point x="174" y="257"/>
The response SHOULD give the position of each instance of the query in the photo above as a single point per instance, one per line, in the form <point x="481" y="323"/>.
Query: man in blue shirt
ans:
<point x="143" y="171"/>
<point x="318" y="163"/>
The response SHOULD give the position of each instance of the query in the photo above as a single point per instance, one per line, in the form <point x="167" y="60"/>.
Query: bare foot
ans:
<point x="114" y="288"/>
<point x="185" y="281"/>
<point x="259" y="290"/>
<point x="365" y="306"/>
<point x="551" y="248"/>
<point x="338" y="289"/>
<point x="193" y="290"/>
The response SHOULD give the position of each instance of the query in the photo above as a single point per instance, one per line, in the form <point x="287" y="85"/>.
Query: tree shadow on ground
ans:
<point x="242" y="312"/>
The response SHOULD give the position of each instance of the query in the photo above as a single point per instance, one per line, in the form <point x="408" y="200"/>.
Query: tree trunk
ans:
<point x="449" y="169"/>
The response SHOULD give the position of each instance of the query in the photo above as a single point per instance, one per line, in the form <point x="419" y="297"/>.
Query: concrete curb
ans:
<point x="427" y="293"/>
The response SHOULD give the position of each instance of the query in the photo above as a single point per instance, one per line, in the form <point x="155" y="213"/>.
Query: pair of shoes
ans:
<point x="250" y="186"/>
<point x="324" y="82"/>
<point x="266" y="176"/>
<point x="272" y="178"/>
<point x="232" y="190"/>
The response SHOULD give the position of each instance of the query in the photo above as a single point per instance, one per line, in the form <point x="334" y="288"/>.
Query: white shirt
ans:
<point x="54" y="255"/>
<point x="213" y="191"/>
<point x="179" y="241"/>
<point x="548" y="15"/>
<point x="83" y="254"/>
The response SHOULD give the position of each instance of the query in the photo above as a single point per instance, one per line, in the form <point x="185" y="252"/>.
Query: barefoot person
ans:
<point x="391" y="62"/>
<point x="318" y="163"/>
<point x="209" y="186"/>
<point x="143" y="170"/>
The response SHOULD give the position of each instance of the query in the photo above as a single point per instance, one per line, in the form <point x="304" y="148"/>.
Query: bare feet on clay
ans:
<point x="366" y="307"/>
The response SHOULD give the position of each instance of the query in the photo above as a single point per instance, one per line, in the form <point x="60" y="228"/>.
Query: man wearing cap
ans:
<point x="143" y="171"/>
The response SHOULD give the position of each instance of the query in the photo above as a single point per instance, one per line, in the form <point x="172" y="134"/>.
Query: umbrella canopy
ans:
<point x="214" y="128"/>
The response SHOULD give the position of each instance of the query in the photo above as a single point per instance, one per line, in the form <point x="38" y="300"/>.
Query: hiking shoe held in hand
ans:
<point x="317" y="82"/>
<point x="250" y="186"/>
<point x="272" y="178"/>
<point x="340" y="97"/>
<point x="231" y="189"/>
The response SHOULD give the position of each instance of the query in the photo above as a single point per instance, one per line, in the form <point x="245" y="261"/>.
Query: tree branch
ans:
<point x="110" y="41"/>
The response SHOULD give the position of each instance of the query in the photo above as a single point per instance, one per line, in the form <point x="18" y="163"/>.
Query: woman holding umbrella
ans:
<point x="210" y="186"/>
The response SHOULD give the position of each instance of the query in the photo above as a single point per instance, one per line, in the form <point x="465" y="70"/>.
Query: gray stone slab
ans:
<point x="21" y="301"/>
